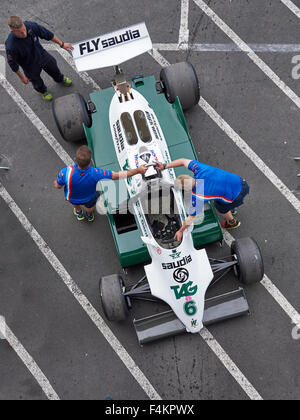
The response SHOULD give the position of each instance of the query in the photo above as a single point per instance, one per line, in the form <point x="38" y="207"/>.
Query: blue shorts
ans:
<point x="225" y="208"/>
<point x="91" y="203"/>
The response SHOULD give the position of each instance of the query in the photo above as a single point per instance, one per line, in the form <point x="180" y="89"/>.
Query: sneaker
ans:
<point x="67" y="82"/>
<point x="79" y="215"/>
<point x="234" y="224"/>
<point x="47" y="96"/>
<point x="90" y="218"/>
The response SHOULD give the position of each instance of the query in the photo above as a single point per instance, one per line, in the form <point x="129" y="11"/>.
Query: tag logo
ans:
<point x="185" y="290"/>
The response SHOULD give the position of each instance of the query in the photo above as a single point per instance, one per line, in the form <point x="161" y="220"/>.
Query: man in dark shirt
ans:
<point x="23" y="49"/>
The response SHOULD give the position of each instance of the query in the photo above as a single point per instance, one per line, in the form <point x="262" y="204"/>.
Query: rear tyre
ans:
<point x="70" y="113"/>
<point x="181" y="80"/>
<point x="113" y="300"/>
<point x="250" y="266"/>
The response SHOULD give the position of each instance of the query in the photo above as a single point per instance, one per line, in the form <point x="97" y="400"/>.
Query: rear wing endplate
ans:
<point x="113" y="48"/>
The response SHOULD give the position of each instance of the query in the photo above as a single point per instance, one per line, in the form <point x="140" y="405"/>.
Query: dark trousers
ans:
<point x="51" y="68"/>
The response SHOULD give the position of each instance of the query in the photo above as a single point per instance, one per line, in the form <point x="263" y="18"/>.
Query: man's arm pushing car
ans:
<point x="176" y="164"/>
<point x="118" y="175"/>
<point x="130" y="173"/>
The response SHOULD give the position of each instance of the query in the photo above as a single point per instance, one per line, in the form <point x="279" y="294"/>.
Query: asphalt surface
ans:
<point x="43" y="314"/>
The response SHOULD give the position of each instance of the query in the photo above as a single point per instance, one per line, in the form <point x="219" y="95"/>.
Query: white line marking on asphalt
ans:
<point x="264" y="48"/>
<point x="272" y="289"/>
<point x="28" y="361"/>
<point x="229" y="47"/>
<point x="184" y="25"/>
<point x="230" y="365"/>
<point x="80" y="297"/>
<point x="242" y="145"/>
<point x="251" y="54"/>
<point x="292" y="7"/>
<point x="33" y="118"/>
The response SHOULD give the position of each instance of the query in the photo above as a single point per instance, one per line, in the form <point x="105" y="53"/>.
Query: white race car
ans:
<point x="142" y="122"/>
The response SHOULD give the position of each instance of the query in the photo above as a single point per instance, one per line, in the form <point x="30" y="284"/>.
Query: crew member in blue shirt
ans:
<point x="23" y="49"/>
<point x="80" y="181"/>
<point x="226" y="189"/>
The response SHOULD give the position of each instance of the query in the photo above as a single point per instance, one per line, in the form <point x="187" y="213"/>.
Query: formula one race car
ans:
<point x="142" y="122"/>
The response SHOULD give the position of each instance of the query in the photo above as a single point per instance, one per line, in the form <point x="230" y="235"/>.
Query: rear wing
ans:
<point x="113" y="48"/>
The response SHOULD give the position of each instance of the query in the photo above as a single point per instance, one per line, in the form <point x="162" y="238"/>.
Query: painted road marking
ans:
<point x="201" y="47"/>
<point x="28" y="361"/>
<point x="230" y="47"/>
<point x="230" y="365"/>
<point x="251" y="54"/>
<point x="292" y="7"/>
<point x="80" y="297"/>
<point x="184" y="25"/>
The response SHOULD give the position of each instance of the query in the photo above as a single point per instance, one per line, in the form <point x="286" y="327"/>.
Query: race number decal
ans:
<point x="190" y="308"/>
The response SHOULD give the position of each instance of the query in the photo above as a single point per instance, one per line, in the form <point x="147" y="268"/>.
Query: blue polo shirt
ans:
<point x="212" y="184"/>
<point x="80" y="185"/>
<point x="28" y="52"/>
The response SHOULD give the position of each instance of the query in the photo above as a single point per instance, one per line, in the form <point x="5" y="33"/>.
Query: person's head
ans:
<point x="84" y="157"/>
<point x="185" y="183"/>
<point x="17" y="26"/>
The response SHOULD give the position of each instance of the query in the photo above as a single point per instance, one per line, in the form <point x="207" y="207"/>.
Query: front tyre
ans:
<point x="250" y="266"/>
<point x="113" y="300"/>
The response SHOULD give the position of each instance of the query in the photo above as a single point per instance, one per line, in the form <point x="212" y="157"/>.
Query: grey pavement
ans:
<point x="43" y="314"/>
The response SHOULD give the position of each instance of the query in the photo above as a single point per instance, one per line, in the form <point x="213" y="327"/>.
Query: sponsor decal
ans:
<point x="177" y="264"/>
<point x="186" y="290"/>
<point x="119" y="140"/>
<point x="194" y="323"/>
<point x="159" y="251"/>
<point x="154" y="126"/>
<point x="98" y="44"/>
<point x="154" y="155"/>
<point x="175" y="254"/>
<point x="181" y="275"/>
<point x="136" y="159"/>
